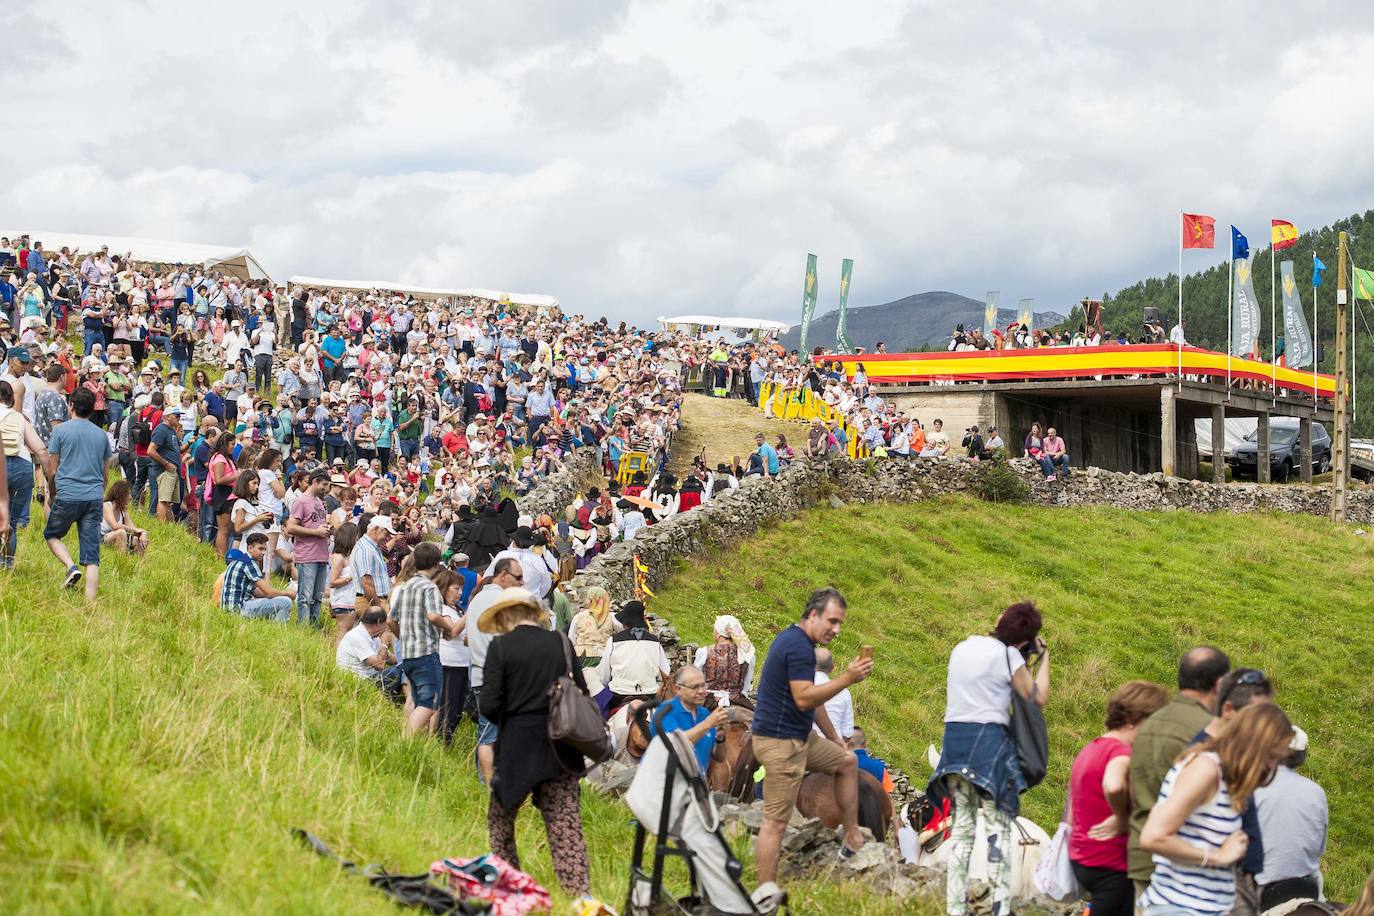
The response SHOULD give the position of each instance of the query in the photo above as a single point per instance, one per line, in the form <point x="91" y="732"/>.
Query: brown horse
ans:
<point x="730" y="740"/>
<point x="816" y="796"/>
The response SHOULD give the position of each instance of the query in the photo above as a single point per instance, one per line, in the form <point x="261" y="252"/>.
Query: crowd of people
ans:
<point x="362" y="459"/>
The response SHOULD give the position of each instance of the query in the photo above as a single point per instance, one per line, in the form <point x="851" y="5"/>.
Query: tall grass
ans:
<point x="1123" y="594"/>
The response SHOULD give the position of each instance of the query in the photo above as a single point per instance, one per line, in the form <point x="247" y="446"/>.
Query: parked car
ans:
<point x="1285" y="451"/>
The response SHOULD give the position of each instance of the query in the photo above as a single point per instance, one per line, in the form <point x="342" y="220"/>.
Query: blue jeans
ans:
<point x="310" y="582"/>
<point x="279" y="608"/>
<point x="154" y="471"/>
<point x="1048" y="464"/>
<point x="88" y="338"/>
<point x="181" y="365"/>
<point x="410" y="447"/>
<point x="85" y="514"/>
<point x="426" y="678"/>
<point x="20" y="474"/>
<point x="207" y="529"/>
<point x="164" y="344"/>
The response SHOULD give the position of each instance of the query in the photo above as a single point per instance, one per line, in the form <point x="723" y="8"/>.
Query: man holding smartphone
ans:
<point x="789" y="703"/>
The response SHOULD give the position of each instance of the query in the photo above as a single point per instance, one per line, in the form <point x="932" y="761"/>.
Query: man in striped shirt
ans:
<point x="417" y="621"/>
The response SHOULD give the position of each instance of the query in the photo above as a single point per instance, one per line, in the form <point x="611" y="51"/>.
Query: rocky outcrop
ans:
<point x="831" y="481"/>
<point x="554" y="493"/>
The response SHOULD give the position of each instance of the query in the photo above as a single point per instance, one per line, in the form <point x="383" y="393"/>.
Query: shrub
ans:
<point x="998" y="483"/>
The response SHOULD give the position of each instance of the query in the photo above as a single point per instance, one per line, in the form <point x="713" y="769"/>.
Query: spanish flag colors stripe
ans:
<point x="1282" y="234"/>
<point x="1073" y="363"/>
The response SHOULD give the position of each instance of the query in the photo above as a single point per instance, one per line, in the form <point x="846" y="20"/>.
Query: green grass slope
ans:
<point x="1123" y="595"/>
<point x="155" y="752"/>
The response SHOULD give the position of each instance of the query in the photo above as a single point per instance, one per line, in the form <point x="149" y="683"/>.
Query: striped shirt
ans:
<point x="411" y="604"/>
<point x="367" y="560"/>
<point x="1200" y="890"/>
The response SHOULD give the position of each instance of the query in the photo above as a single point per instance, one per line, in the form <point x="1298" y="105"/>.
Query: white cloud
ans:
<point x="638" y="158"/>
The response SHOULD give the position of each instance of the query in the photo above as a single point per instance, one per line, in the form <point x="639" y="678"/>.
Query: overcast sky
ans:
<point x="645" y="157"/>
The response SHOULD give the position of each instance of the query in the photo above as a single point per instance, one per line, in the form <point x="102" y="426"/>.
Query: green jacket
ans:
<point x="1161" y="738"/>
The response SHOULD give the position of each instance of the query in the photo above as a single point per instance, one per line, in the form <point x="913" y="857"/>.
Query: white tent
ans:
<point x="731" y="323"/>
<point x="537" y="300"/>
<point x="237" y="261"/>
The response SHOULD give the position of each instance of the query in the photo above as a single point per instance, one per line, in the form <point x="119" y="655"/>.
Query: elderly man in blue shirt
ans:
<point x="685" y="713"/>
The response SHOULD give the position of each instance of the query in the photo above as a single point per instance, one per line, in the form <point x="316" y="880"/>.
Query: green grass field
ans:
<point x="1123" y="595"/>
<point x="156" y="752"/>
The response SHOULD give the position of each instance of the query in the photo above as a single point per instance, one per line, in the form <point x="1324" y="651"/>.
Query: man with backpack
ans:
<point x="164" y="448"/>
<point x="200" y="468"/>
<point x="145" y="421"/>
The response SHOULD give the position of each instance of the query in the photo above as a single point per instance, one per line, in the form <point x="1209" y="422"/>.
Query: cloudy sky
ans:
<point x="646" y="157"/>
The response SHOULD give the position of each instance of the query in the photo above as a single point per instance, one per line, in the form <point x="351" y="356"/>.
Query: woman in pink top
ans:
<point x="1099" y="800"/>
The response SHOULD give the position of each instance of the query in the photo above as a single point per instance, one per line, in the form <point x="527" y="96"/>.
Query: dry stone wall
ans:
<point x="808" y="482"/>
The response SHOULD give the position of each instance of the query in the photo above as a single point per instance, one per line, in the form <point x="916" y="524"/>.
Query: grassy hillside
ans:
<point x="1123" y="595"/>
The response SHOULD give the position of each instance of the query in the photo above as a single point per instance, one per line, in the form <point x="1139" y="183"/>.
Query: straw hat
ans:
<point x="510" y="607"/>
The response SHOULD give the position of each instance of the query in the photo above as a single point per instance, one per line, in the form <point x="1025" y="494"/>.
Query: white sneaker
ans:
<point x="768" y="897"/>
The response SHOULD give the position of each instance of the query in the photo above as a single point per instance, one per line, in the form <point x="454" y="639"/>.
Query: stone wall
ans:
<point x="555" y="493"/>
<point x="738" y="514"/>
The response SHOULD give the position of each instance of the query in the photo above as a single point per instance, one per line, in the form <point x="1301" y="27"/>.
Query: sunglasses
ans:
<point x="1251" y="678"/>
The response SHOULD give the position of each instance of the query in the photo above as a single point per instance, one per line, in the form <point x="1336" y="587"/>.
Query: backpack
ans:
<point x="140" y="431"/>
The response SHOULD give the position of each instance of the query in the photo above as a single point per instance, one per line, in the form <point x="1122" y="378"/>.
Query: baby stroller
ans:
<point x="669" y="793"/>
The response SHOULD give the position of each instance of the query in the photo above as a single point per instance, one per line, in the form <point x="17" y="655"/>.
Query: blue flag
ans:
<point x="1317" y="268"/>
<point x="1240" y="248"/>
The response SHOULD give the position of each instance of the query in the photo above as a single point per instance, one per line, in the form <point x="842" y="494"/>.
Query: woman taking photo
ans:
<point x="1193" y="833"/>
<point x="116" y="527"/>
<point x="522" y="664"/>
<point x="248" y="515"/>
<point x="979" y="766"/>
<point x="343" y="588"/>
<point x="1099" y="800"/>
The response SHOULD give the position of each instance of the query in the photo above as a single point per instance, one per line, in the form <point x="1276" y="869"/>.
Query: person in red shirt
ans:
<point x="1099" y="800"/>
<point x="150" y="413"/>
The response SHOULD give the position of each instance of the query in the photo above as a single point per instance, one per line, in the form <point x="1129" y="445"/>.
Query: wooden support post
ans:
<point x="1262" y="458"/>
<point x="1340" y="438"/>
<point x="1168" y="431"/>
<point x="1219" y="443"/>
<point x="1305" y="449"/>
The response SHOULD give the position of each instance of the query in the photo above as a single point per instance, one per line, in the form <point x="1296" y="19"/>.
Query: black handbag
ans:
<point x="575" y="720"/>
<point x="1029" y="732"/>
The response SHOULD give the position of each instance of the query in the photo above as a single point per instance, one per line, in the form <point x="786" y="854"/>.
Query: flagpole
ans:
<point x="1316" y="333"/>
<point x="1230" y="294"/>
<point x="1180" y="299"/>
<point x="1273" y="329"/>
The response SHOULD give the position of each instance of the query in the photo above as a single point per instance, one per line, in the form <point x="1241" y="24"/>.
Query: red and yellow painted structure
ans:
<point x="1068" y="363"/>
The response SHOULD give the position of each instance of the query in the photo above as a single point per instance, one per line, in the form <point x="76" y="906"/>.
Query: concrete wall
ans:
<point x="959" y="410"/>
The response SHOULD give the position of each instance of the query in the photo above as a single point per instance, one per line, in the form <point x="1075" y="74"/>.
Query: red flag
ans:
<point x="1199" y="231"/>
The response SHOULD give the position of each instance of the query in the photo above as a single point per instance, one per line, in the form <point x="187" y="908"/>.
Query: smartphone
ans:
<point x="866" y="653"/>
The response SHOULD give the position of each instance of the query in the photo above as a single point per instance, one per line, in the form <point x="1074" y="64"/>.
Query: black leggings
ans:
<point x="451" y="701"/>
<point x="1111" y="892"/>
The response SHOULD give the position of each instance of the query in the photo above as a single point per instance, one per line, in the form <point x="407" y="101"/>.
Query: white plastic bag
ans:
<point x="1054" y="875"/>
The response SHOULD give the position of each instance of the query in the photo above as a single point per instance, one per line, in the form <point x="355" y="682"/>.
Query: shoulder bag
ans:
<point x="1029" y="733"/>
<point x="575" y="719"/>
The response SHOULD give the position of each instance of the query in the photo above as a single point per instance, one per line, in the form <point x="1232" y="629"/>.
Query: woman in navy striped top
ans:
<point x="1194" y="830"/>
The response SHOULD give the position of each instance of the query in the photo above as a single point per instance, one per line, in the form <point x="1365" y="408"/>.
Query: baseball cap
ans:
<point x="383" y="522"/>
<point x="1299" y="742"/>
<point x="20" y="353"/>
<point x="174" y="410"/>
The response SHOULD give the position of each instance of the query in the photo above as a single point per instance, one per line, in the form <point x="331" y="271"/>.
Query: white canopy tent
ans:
<point x="237" y="261"/>
<point x="731" y="323"/>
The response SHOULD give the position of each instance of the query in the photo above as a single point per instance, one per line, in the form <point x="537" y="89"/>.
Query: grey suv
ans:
<point x="1284" y="450"/>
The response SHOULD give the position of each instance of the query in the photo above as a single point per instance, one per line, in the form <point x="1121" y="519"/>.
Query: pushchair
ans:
<point x="669" y="793"/>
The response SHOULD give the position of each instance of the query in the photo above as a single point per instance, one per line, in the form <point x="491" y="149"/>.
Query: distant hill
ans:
<point x="908" y="324"/>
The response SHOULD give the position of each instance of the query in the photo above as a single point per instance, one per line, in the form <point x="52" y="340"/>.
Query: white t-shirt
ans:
<point x="355" y="649"/>
<point x="979" y="684"/>
<point x="453" y="653"/>
<point x="267" y="497"/>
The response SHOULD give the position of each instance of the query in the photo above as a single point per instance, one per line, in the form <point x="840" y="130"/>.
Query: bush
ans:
<point x="998" y="483"/>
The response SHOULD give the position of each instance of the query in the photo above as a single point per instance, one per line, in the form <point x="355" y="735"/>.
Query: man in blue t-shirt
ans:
<point x="79" y="457"/>
<point x="789" y="702"/>
<point x="771" y="464"/>
<point x="685" y="713"/>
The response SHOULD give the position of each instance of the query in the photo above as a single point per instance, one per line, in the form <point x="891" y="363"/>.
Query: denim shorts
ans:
<point x="20" y="474"/>
<point x="486" y="729"/>
<point x="426" y="678"/>
<point x="85" y="514"/>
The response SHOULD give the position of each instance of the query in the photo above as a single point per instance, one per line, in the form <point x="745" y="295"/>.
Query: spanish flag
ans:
<point x="1283" y="234"/>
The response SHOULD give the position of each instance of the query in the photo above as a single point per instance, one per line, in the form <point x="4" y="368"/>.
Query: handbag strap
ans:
<point x="567" y="652"/>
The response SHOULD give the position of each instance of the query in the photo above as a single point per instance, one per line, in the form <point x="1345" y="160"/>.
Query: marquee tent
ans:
<point x="537" y="300"/>
<point x="733" y="323"/>
<point x="237" y="261"/>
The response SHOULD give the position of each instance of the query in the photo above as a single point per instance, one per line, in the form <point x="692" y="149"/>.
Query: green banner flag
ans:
<point x="808" y="300"/>
<point x="842" y="343"/>
<point x="1363" y="283"/>
<point x="1025" y="314"/>
<point x="990" y="314"/>
<point x="1296" y="338"/>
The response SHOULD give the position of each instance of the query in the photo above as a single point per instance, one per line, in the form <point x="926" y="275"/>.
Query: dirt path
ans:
<point x="725" y="427"/>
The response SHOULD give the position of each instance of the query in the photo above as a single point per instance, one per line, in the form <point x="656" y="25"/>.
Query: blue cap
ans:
<point x="20" y="353"/>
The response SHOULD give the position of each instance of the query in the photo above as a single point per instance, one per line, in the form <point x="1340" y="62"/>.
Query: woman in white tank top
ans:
<point x="1194" y="832"/>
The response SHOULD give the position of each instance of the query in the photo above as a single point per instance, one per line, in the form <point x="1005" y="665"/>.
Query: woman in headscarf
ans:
<point x="728" y="663"/>
<point x="592" y="628"/>
<point x="633" y="663"/>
